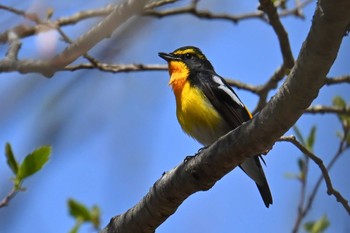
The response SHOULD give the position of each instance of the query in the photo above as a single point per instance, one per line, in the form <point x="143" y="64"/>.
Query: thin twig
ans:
<point x="303" y="181"/>
<point x="327" y="109"/>
<point x="269" y="8"/>
<point x="338" y="80"/>
<point x="312" y="196"/>
<point x="31" y="16"/>
<point x="25" y="30"/>
<point x="6" y="200"/>
<point x="204" y="14"/>
<point x="301" y="215"/>
<point x="243" y="86"/>
<point x="83" y="15"/>
<point x="297" y="10"/>
<point x="159" y="3"/>
<point x="271" y="84"/>
<point x="14" y="47"/>
<point x="323" y="168"/>
<point x="112" y="68"/>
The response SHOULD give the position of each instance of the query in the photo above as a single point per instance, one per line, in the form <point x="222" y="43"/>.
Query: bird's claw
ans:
<point x="201" y="149"/>
<point x="189" y="157"/>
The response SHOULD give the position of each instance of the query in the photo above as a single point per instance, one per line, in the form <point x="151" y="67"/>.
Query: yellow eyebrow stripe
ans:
<point x="181" y="52"/>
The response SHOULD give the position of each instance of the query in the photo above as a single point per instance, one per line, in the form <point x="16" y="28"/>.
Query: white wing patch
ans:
<point x="227" y="90"/>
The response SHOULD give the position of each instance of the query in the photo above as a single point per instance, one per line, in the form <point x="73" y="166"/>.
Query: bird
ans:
<point x="208" y="108"/>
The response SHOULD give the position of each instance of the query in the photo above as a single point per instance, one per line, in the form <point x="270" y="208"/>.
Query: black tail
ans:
<point x="265" y="193"/>
<point x="252" y="167"/>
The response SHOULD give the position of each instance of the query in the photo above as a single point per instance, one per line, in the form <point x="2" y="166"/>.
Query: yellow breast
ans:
<point x="194" y="111"/>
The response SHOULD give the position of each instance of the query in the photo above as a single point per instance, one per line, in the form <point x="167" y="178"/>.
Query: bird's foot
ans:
<point x="201" y="149"/>
<point x="189" y="157"/>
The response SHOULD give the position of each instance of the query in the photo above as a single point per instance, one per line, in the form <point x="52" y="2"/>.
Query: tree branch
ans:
<point x="323" y="168"/>
<point x="268" y="7"/>
<point x="14" y="47"/>
<point x="192" y="9"/>
<point x="30" y="16"/>
<point x="117" y="68"/>
<point x="326" y="109"/>
<point x="92" y="60"/>
<point x="203" y="14"/>
<point x="5" y="201"/>
<point x="120" y="14"/>
<point x="26" y="30"/>
<point x="283" y="110"/>
<point x="243" y="86"/>
<point x="306" y="208"/>
<point x="337" y="80"/>
<point x="272" y="83"/>
<point x="297" y="10"/>
<point x="83" y="44"/>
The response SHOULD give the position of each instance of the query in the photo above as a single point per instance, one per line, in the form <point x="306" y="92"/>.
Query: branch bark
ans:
<point x="317" y="55"/>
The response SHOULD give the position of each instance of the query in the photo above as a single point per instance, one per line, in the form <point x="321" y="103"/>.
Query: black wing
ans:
<point x="227" y="103"/>
<point x="224" y="100"/>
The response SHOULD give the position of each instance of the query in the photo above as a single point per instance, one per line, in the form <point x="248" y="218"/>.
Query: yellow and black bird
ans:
<point x="207" y="107"/>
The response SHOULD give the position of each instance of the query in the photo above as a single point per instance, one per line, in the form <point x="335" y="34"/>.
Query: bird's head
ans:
<point x="186" y="58"/>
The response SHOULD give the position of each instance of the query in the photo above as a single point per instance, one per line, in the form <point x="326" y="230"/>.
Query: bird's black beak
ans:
<point x="168" y="56"/>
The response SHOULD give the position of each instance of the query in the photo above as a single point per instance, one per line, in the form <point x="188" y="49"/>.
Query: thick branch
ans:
<point x="296" y="94"/>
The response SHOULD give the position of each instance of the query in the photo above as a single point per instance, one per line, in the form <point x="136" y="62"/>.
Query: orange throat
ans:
<point x="178" y="76"/>
<point x="197" y="117"/>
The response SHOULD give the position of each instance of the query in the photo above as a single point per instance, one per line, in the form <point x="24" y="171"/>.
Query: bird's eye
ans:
<point x="188" y="55"/>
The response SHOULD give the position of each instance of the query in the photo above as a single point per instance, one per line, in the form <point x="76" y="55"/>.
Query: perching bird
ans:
<point x="207" y="107"/>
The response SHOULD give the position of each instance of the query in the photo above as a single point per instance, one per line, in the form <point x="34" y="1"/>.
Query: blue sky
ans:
<point x="113" y="135"/>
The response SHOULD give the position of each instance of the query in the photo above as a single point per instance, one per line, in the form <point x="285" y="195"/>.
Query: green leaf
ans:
<point x="301" y="164"/>
<point x="317" y="226"/>
<point x="49" y="13"/>
<point x="339" y="102"/>
<point x="82" y="214"/>
<point x="299" y="135"/>
<point x="11" y="160"/>
<point x="311" y="138"/>
<point x="79" y="210"/>
<point x="76" y="227"/>
<point x="95" y="216"/>
<point x="339" y="134"/>
<point x="33" y="162"/>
